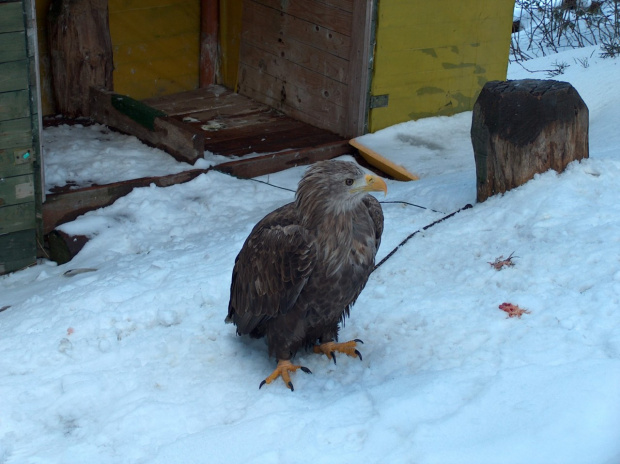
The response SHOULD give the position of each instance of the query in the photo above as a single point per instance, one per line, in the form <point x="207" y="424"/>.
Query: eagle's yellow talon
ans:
<point x="283" y="370"/>
<point x="329" y="349"/>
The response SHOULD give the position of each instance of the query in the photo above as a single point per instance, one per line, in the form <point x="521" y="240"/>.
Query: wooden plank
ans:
<point x="232" y="109"/>
<point x="267" y="164"/>
<point x="180" y="140"/>
<point x="15" y="133"/>
<point x="316" y="86"/>
<point x="13" y="46"/>
<point x="346" y="5"/>
<point x="238" y="126"/>
<point x="262" y="31"/>
<point x="11" y="17"/>
<point x="188" y="100"/>
<point x="17" y="161"/>
<point x="215" y="99"/>
<point x="359" y="70"/>
<point x="136" y="110"/>
<point x="16" y="189"/>
<point x="17" y="250"/>
<point x="314" y="12"/>
<point x="14" y="105"/>
<point x="269" y="138"/>
<point x="14" y="75"/>
<point x="270" y="90"/>
<point x="293" y="28"/>
<point x="128" y="5"/>
<point x="17" y="217"/>
<point x="66" y="206"/>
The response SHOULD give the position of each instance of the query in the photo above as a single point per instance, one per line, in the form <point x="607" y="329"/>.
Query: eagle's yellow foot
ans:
<point x="329" y="349"/>
<point x="283" y="369"/>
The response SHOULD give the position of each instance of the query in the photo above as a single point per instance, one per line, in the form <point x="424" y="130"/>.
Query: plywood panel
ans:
<point x="434" y="57"/>
<point x="156" y="46"/>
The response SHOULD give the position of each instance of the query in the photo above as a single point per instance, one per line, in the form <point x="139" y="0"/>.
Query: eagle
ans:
<point x="304" y="264"/>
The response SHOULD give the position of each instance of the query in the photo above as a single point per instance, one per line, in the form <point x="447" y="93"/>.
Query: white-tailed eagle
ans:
<point x="303" y="265"/>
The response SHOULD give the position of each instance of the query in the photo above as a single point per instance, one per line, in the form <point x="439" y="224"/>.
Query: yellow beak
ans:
<point x="374" y="184"/>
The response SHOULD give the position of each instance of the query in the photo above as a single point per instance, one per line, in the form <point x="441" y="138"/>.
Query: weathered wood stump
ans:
<point x="80" y="51"/>
<point x="525" y="127"/>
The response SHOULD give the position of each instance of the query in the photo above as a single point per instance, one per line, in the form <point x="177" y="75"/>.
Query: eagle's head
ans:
<point x="335" y="187"/>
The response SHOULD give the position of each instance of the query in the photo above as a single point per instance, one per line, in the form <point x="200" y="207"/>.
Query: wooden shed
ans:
<point x="20" y="193"/>
<point x="285" y="81"/>
<point x="347" y="66"/>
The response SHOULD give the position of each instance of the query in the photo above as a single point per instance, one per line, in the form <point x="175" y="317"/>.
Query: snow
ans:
<point x="131" y="362"/>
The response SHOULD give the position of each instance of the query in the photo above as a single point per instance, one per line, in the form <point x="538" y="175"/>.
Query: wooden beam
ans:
<point x="267" y="164"/>
<point x="67" y="206"/>
<point x="180" y="140"/>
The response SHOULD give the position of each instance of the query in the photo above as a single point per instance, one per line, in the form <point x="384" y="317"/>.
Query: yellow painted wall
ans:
<point x="432" y="58"/>
<point x="156" y="47"/>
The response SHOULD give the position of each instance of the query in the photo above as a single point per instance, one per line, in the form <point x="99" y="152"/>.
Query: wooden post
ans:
<point x="525" y="127"/>
<point x="209" y="43"/>
<point x="80" y="51"/>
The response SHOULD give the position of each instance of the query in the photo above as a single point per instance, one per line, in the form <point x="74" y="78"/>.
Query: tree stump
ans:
<point x="525" y="127"/>
<point x="80" y="51"/>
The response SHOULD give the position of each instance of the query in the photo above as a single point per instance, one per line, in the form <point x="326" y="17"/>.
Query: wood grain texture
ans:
<point x="294" y="56"/>
<point x="522" y="128"/>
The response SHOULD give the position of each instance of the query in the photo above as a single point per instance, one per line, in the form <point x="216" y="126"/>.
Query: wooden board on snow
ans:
<point x="382" y="163"/>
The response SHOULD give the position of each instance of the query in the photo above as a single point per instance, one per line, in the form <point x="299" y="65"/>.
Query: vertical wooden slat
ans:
<point x="359" y="68"/>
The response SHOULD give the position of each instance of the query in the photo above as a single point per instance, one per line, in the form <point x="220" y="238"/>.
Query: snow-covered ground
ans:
<point x="132" y="362"/>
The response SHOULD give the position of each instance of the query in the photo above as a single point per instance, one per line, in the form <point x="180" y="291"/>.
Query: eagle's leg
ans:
<point x="329" y="349"/>
<point x="283" y="369"/>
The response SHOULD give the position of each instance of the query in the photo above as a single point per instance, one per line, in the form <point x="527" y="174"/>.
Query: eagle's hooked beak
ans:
<point x="374" y="184"/>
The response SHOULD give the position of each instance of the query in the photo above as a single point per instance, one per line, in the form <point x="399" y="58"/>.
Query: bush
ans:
<point x="542" y="27"/>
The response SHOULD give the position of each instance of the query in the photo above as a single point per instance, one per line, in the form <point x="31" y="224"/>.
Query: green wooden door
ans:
<point x="20" y="172"/>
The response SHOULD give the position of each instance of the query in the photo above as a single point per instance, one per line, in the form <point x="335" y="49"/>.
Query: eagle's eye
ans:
<point x="349" y="182"/>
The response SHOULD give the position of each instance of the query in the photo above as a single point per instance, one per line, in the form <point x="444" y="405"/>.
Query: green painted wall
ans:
<point x="20" y="170"/>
